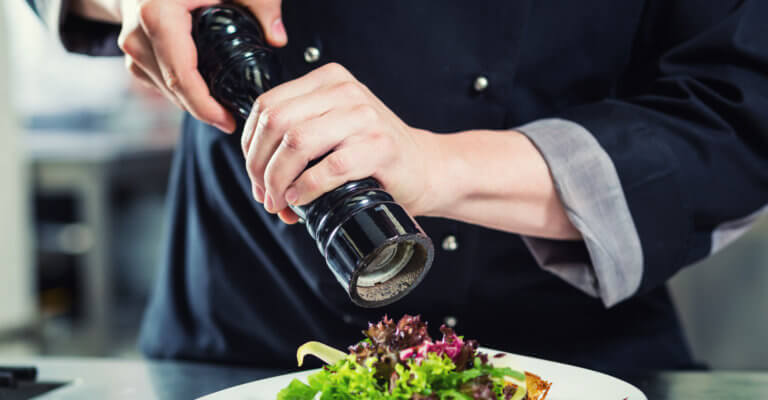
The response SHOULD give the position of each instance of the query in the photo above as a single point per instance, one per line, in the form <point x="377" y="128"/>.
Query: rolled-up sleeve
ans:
<point x="589" y="188"/>
<point x="674" y="166"/>
<point x="77" y="34"/>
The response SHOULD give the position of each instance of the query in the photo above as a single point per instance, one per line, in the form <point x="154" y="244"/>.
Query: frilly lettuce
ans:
<point x="433" y="375"/>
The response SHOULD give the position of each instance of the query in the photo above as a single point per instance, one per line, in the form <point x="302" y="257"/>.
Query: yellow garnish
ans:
<point x="513" y="381"/>
<point x="326" y="353"/>
<point x="520" y="391"/>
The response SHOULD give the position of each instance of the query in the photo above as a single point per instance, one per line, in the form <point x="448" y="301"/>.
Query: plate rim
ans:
<point x="299" y="374"/>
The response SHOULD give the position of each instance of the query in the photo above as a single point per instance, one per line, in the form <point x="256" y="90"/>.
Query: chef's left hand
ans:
<point x="329" y="111"/>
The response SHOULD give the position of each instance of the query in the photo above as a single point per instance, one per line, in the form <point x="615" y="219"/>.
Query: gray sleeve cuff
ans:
<point x="611" y="268"/>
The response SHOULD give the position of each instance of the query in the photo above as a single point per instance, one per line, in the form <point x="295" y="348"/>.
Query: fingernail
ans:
<point x="291" y="195"/>
<point x="258" y="194"/>
<point x="224" y="127"/>
<point x="268" y="203"/>
<point x="278" y="30"/>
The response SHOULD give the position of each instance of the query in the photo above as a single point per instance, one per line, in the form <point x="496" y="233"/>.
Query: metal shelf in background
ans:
<point x="89" y="167"/>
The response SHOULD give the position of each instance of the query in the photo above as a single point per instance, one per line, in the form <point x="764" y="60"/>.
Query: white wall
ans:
<point x="16" y="279"/>
<point x="38" y="88"/>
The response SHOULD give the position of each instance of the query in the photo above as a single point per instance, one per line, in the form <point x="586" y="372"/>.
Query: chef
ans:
<point x="566" y="157"/>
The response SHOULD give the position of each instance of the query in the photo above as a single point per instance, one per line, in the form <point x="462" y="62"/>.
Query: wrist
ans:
<point x="474" y="169"/>
<point x="440" y="187"/>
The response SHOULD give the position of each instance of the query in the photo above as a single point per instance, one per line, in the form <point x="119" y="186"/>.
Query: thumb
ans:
<point x="269" y="14"/>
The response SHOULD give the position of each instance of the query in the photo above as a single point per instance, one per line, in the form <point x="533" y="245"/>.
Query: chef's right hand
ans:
<point x="156" y="37"/>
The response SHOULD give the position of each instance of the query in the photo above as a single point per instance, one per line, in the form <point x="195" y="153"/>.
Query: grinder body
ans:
<point x="375" y="249"/>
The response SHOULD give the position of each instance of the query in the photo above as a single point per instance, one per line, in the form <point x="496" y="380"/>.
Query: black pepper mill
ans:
<point x="375" y="249"/>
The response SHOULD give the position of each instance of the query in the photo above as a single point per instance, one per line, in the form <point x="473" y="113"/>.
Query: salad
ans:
<point x="399" y="360"/>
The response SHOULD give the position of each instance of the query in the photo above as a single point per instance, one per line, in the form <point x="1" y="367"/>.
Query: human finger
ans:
<point x="168" y="25"/>
<point x="310" y="140"/>
<point x="269" y="15"/>
<point x="348" y="163"/>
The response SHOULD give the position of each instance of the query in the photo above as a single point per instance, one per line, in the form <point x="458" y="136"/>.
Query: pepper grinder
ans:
<point x="375" y="249"/>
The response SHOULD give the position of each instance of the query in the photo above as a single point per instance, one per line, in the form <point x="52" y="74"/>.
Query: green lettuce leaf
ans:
<point x="297" y="390"/>
<point x="348" y="380"/>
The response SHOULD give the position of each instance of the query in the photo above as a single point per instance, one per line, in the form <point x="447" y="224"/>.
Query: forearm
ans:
<point x="497" y="179"/>
<point x="98" y="10"/>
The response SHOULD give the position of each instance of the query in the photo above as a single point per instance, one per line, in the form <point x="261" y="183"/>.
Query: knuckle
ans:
<point x="174" y="81"/>
<point x="335" y="69"/>
<point x="272" y="120"/>
<point x="265" y="102"/>
<point x="385" y="140"/>
<point x="129" y="43"/>
<point x="311" y="182"/>
<point x="366" y="112"/>
<point x="350" y="89"/>
<point x="377" y="138"/>
<point x="254" y="170"/>
<point x="294" y="140"/>
<point x="337" y="164"/>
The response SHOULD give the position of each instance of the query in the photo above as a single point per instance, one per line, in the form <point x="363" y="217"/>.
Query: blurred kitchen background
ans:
<point x="84" y="158"/>
<point x="84" y="161"/>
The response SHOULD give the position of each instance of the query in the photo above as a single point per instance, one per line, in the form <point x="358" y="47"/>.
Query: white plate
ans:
<point x="568" y="383"/>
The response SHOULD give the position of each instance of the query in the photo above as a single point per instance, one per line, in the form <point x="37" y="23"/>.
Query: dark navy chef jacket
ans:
<point x="667" y="99"/>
